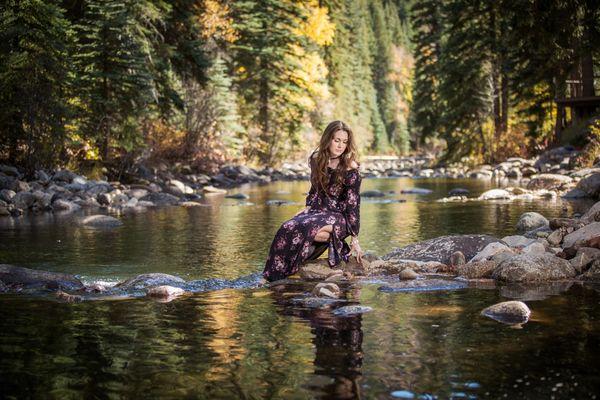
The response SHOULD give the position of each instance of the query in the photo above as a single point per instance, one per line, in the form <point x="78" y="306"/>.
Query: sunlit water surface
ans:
<point x="258" y="343"/>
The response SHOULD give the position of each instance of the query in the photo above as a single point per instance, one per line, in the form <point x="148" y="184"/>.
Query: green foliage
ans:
<point x="34" y="36"/>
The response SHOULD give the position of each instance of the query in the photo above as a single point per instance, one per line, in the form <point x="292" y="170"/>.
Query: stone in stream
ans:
<point x="416" y="191"/>
<point x="477" y="270"/>
<point x="590" y="185"/>
<point x="490" y="250"/>
<point x="69" y="298"/>
<point x="517" y="241"/>
<point x="584" y="256"/>
<point x="458" y="192"/>
<point x="12" y="275"/>
<point x="548" y="181"/>
<point x="147" y="280"/>
<point x="328" y="289"/>
<point x="508" y="312"/>
<point x="372" y="193"/>
<point x="533" y="268"/>
<point x="440" y="249"/>
<point x="592" y="215"/>
<point x="495" y="194"/>
<point x="317" y="270"/>
<point x="161" y="199"/>
<point x="582" y="235"/>
<point x="165" y="292"/>
<point x="238" y="196"/>
<point x="64" y="205"/>
<point x="457" y="259"/>
<point x="593" y="273"/>
<point x="530" y="221"/>
<point x="351" y="310"/>
<point x="424" y="285"/>
<point x="408" y="274"/>
<point x="101" y="221"/>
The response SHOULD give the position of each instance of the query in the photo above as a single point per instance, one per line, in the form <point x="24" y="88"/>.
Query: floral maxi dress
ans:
<point x="339" y="207"/>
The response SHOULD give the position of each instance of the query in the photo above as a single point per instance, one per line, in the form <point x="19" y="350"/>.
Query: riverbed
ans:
<point x="258" y="343"/>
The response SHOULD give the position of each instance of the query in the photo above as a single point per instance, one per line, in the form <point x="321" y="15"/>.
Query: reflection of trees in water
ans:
<point x="338" y="347"/>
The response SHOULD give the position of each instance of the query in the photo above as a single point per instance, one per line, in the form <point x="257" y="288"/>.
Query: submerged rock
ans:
<point x="101" y="221"/>
<point x="508" y="312"/>
<point x="424" y="285"/>
<point x="534" y="291"/>
<point x="69" y="298"/>
<point x="372" y="193"/>
<point x="533" y="268"/>
<point x="351" y="310"/>
<point x="328" y="289"/>
<point x="147" y="280"/>
<point x="12" y="275"/>
<point x="440" y="249"/>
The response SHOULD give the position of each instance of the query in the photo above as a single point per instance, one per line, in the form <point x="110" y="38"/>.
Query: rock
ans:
<point x="408" y="274"/>
<point x="458" y="192"/>
<point x="457" y="259"/>
<point x="278" y="202"/>
<point x="590" y="185"/>
<point x="584" y="257"/>
<point x="64" y="205"/>
<point x="517" y="241"/>
<point x="148" y="280"/>
<point x="593" y="273"/>
<point x="69" y="298"/>
<point x="213" y="190"/>
<point x="530" y="221"/>
<point x="64" y="176"/>
<point x="490" y="250"/>
<point x="508" y="312"/>
<point x="423" y="285"/>
<point x="351" y="310"/>
<point x="328" y="289"/>
<point x="533" y="268"/>
<point x="161" y="199"/>
<point x="21" y="186"/>
<point x="31" y="278"/>
<point x="9" y="170"/>
<point x="556" y="237"/>
<point x="7" y="195"/>
<point x="238" y="196"/>
<point x="581" y="235"/>
<point x="416" y="191"/>
<point x="165" y="292"/>
<point x="548" y="181"/>
<point x="42" y="176"/>
<point x="190" y="204"/>
<point x="495" y="194"/>
<point x="23" y="200"/>
<point x="440" y="249"/>
<point x="383" y="267"/>
<point x="101" y="221"/>
<point x="372" y="193"/>
<point x="3" y="287"/>
<point x="592" y="215"/>
<point x="477" y="270"/>
<point x="317" y="270"/>
<point x="104" y="198"/>
<point x="534" y="248"/>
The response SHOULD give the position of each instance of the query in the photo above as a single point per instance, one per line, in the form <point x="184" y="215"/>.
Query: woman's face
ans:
<point x="338" y="143"/>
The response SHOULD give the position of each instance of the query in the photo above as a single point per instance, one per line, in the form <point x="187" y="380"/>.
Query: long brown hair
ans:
<point x="319" y="160"/>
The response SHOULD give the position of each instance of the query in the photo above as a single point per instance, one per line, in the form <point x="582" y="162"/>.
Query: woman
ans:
<point x="332" y="210"/>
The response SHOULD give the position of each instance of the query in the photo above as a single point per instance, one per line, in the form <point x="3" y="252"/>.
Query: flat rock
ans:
<point x="372" y="193"/>
<point x="592" y="215"/>
<point x="161" y="199"/>
<point x="318" y="270"/>
<point x="408" y="274"/>
<point x="148" y="280"/>
<point x="533" y="268"/>
<point x="165" y="292"/>
<point x="327" y="289"/>
<point x="548" y="181"/>
<point x="12" y="275"/>
<point x="101" y="221"/>
<point x="508" y="312"/>
<point x="582" y="235"/>
<point x="517" y="241"/>
<point x="416" y="191"/>
<point x="440" y="249"/>
<point x="424" y="285"/>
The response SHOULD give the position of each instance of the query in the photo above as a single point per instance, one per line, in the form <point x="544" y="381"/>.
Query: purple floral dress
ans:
<point x="339" y="207"/>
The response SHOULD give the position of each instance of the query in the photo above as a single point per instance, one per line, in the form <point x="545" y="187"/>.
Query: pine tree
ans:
<point x="114" y="74"/>
<point x="34" y="65"/>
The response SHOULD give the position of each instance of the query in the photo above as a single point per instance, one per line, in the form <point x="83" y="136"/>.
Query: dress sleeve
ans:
<point x="352" y="209"/>
<point x="311" y="199"/>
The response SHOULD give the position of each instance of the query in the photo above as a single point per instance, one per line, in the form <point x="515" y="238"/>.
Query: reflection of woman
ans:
<point x="332" y="210"/>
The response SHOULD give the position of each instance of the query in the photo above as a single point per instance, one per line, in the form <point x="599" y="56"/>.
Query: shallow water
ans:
<point x="260" y="343"/>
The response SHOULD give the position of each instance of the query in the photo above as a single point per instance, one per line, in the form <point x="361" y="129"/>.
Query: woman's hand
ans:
<point x="356" y="250"/>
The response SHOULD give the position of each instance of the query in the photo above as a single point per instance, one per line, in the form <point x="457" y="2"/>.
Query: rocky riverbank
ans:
<point x="548" y="176"/>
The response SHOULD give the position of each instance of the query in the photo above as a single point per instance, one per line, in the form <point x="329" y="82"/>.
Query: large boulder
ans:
<point x="317" y="270"/>
<point x="477" y="270"/>
<point x="530" y="221"/>
<point x="593" y="273"/>
<point x="440" y="249"/>
<point x="12" y="275"/>
<point x="548" y="181"/>
<point x="592" y="215"/>
<point x="582" y="235"/>
<point x="148" y="280"/>
<point x="490" y="250"/>
<point x="508" y="312"/>
<point x="533" y="268"/>
<point x="591" y="185"/>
